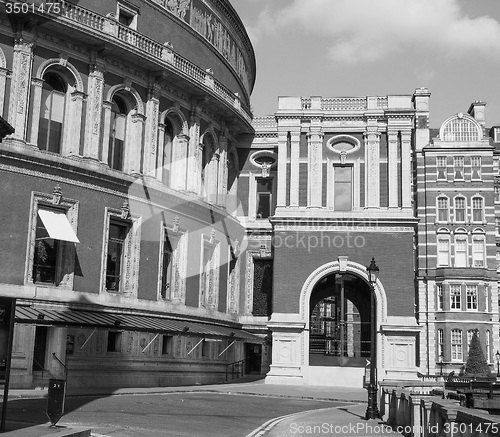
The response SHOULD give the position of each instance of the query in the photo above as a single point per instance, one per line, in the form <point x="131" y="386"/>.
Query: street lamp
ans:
<point x="372" y="409"/>
<point x="441" y="364"/>
<point x="497" y="356"/>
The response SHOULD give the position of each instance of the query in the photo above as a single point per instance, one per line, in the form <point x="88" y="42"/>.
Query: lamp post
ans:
<point x="372" y="409"/>
<point x="441" y="364"/>
<point x="497" y="357"/>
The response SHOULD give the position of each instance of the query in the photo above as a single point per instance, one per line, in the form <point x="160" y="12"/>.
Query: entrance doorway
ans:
<point x="340" y="322"/>
<point x="253" y="358"/>
<point x="39" y="349"/>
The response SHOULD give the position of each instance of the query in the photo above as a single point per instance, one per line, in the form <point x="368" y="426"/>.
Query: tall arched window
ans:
<point x="52" y="112"/>
<point x="209" y="170"/>
<point x="117" y="133"/>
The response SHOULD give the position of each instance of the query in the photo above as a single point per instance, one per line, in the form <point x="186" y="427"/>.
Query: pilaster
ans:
<point x="315" y="168"/>
<point x="406" y="174"/>
<point x="222" y="184"/>
<point x="294" y="168"/>
<point x="372" y="166"/>
<point x="162" y="170"/>
<point x="282" y="160"/>
<point x="151" y="130"/>
<point x="3" y="80"/>
<point x="95" y="105"/>
<point x="393" y="181"/>
<point x="20" y="84"/>
<point x="194" y="154"/>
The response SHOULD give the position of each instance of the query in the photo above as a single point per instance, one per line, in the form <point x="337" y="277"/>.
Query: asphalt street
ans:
<point x="193" y="414"/>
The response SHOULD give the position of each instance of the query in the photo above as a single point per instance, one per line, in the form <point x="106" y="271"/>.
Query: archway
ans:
<point x="339" y="321"/>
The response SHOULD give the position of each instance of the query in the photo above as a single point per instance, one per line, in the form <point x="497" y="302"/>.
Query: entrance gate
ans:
<point x="340" y="322"/>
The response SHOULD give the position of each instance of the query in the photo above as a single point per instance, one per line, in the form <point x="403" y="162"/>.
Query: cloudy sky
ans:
<point x="336" y="48"/>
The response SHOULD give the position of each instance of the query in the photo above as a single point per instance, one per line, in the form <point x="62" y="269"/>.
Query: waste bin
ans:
<point x="55" y="400"/>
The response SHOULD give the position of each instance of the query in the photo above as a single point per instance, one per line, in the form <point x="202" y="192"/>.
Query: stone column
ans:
<point x="106" y="128"/>
<point x="406" y="173"/>
<point x="20" y="84"/>
<point x="93" y="118"/>
<point x="72" y="129"/>
<point x="372" y="167"/>
<point x="315" y="169"/>
<point x="151" y="130"/>
<point x="178" y="166"/>
<point x="37" y="85"/>
<point x="392" y="158"/>
<point x="133" y="144"/>
<point x="282" y="160"/>
<point x="194" y="156"/>
<point x="294" y="168"/>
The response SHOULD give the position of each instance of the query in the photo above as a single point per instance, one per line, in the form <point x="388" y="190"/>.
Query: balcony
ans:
<point x="108" y="29"/>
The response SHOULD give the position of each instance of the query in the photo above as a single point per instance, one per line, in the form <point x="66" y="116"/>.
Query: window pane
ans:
<point x="263" y="205"/>
<point x="45" y="256"/>
<point x="116" y="240"/>
<point x="342" y="188"/>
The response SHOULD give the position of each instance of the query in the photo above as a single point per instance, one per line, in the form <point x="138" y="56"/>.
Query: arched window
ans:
<point x="460" y="128"/>
<point x="52" y="112"/>
<point x="443" y="212"/>
<point x="477" y="209"/>
<point x="117" y="133"/>
<point x="478" y="248"/>
<point x="459" y="209"/>
<point x="443" y="248"/>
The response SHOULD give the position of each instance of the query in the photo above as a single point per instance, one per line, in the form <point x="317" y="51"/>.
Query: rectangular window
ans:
<point x="497" y="226"/>
<point x="46" y="255"/>
<point x="458" y="168"/>
<point x="114" y="341"/>
<point x="471" y="294"/>
<point x="497" y="193"/>
<point x="264" y="197"/>
<point x="478" y="252"/>
<point x="443" y="252"/>
<point x="441" y="168"/>
<point x="459" y="209"/>
<point x="455" y="297"/>
<point x="166" y="344"/>
<point x="488" y="347"/>
<point x="440" y="343"/>
<point x="209" y="277"/>
<point x="487" y="299"/>
<point x="475" y="162"/>
<point x="442" y="204"/>
<point x="456" y="345"/>
<point x="116" y="249"/>
<point x="496" y="134"/>
<point x="342" y="188"/>
<point x="440" y="297"/>
<point x="460" y="252"/>
<point x="477" y="209"/>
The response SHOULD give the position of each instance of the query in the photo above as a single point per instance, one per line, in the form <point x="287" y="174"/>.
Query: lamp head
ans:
<point x="372" y="270"/>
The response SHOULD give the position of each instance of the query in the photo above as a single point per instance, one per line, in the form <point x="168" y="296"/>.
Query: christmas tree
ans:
<point x="476" y="362"/>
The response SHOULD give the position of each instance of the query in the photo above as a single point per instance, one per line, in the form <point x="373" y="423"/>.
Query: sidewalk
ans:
<point x="346" y="421"/>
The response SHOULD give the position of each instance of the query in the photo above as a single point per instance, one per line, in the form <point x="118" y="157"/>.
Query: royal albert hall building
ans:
<point x="118" y="192"/>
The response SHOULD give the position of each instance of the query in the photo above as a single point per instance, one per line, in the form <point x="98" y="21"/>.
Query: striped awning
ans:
<point x="128" y="322"/>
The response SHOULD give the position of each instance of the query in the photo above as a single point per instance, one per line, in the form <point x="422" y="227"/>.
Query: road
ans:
<point x="189" y="414"/>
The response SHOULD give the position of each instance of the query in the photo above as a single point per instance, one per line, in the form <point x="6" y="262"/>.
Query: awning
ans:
<point x="57" y="225"/>
<point x="129" y="322"/>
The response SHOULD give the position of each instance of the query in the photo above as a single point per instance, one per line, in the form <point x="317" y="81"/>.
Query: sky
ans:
<point x="350" y="48"/>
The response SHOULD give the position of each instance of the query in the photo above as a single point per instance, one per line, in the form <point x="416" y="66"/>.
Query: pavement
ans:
<point x="347" y="420"/>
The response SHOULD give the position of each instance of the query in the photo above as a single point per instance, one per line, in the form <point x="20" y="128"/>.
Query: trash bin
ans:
<point x="55" y="400"/>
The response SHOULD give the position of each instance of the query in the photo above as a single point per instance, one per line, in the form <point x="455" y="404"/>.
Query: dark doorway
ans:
<point x="39" y="349"/>
<point x="340" y="322"/>
<point x="253" y="358"/>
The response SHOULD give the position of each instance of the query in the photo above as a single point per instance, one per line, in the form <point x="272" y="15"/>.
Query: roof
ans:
<point x="128" y="322"/>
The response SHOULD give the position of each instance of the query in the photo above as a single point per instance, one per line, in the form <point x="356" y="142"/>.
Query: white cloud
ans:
<point x="369" y="30"/>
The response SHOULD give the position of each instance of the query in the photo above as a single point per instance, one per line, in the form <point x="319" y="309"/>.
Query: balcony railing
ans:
<point x="164" y="54"/>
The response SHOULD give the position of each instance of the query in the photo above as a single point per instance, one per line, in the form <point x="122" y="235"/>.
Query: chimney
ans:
<point x="477" y="110"/>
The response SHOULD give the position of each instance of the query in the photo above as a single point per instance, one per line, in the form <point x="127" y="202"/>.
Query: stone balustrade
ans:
<point x="426" y="415"/>
<point x="163" y="54"/>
